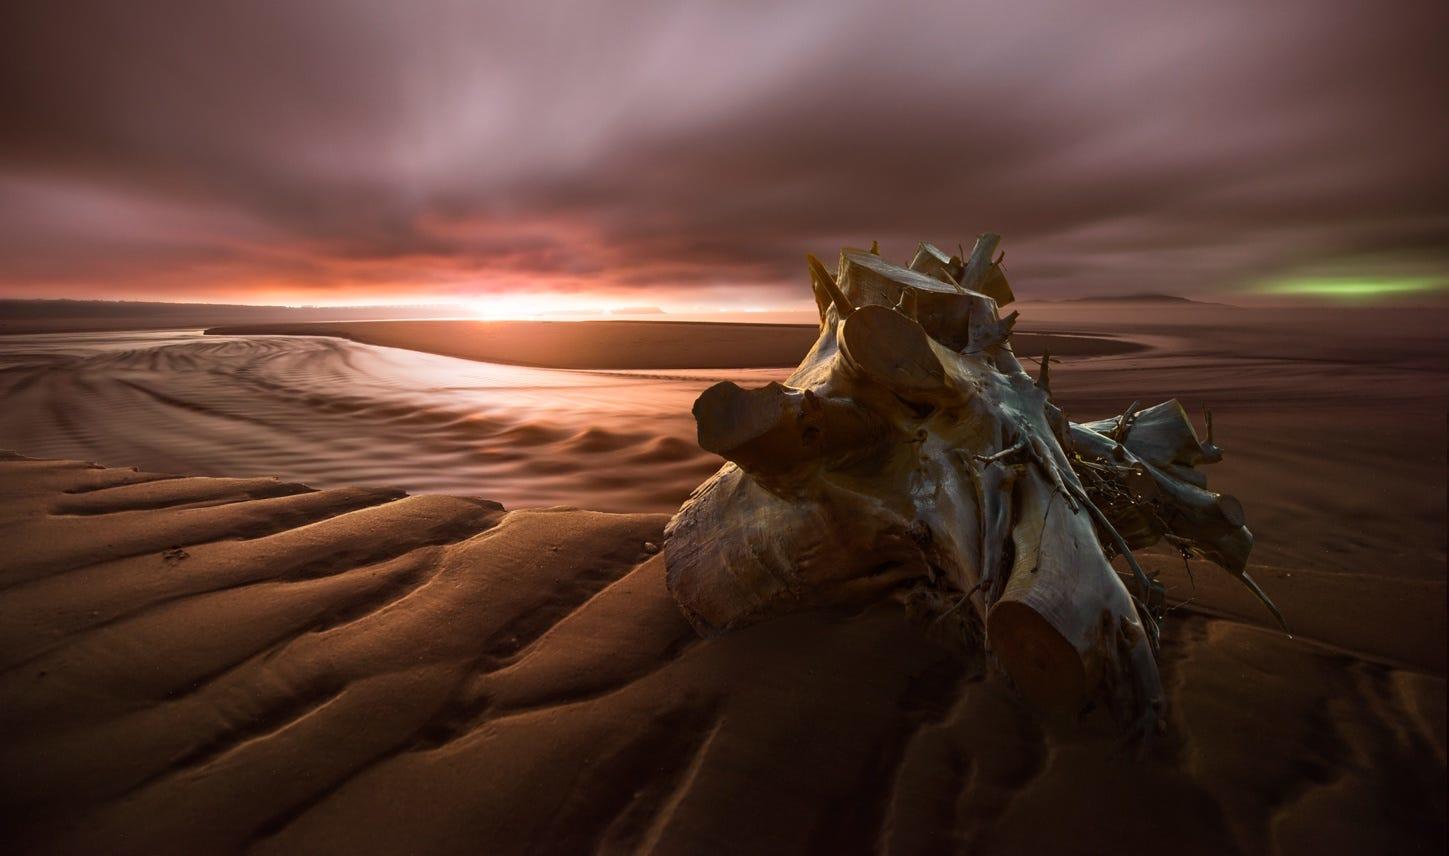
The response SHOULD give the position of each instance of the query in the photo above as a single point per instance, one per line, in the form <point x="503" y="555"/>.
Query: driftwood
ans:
<point x="910" y="455"/>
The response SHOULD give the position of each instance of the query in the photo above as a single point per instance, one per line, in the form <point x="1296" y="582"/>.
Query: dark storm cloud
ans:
<point x="197" y="149"/>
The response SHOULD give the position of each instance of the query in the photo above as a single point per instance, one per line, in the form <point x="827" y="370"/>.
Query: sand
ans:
<point x="220" y="665"/>
<point x="623" y="344"/>
<point x="204" y="664"/>
<point x="331" y="412"/>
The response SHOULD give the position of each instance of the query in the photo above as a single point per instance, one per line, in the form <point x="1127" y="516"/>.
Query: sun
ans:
<point x="523" y="306"/>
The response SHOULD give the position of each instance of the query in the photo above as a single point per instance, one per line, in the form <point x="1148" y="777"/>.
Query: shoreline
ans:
<point x="630" y="345"/>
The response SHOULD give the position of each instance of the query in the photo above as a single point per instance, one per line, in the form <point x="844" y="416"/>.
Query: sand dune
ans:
<point x="205" y="665"/>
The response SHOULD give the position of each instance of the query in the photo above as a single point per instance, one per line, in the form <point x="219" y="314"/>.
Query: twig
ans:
<point x="1124" y="422"/>
<point x="1004" y="453"/>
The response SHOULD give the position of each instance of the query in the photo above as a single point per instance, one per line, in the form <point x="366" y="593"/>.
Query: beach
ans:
<point x="259" y="641"/>
<point x="626" y="345"/>
<point x="331" y="411"/>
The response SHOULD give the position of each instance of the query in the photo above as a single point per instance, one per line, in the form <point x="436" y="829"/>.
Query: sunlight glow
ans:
<point x="535" y="305"/>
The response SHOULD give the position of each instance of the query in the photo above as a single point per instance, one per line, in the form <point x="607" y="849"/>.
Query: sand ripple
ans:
<point x="332" y="412"/>
<point x="226" y="666"/>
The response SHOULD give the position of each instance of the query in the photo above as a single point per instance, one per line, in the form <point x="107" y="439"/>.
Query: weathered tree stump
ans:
<point x="910" y="454"/>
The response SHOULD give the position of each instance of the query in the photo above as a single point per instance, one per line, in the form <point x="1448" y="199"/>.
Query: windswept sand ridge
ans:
<point x="377" y="673"/>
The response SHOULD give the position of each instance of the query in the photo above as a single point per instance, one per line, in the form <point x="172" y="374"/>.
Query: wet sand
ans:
<point x="329" y="412"/>
<point x="625" y="344"/>
<point x="352" y="669"/>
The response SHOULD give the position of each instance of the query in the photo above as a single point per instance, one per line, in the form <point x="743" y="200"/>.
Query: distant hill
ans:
<point x="1139" y="297"/>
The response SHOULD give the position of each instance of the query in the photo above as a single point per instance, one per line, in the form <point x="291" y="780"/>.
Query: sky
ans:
<point x="684" y="153"/>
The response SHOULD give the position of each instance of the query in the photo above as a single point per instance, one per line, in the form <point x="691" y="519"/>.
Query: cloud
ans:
<point x="446" y="148"/>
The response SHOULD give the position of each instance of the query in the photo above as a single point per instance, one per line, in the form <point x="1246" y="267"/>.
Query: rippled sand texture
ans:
<point x="227" y="665"/>
<point x="330" y="412"/>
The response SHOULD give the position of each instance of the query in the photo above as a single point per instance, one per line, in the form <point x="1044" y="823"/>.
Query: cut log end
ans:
<point x="891" y="349"/>
<point x="1046" y="669"/>
<point x="777" y="431"/>
<point x="729" y="417"/>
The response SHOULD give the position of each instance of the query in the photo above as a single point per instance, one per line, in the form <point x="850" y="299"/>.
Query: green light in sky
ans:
<point x="1354" y="288"/>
